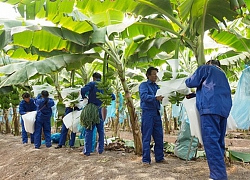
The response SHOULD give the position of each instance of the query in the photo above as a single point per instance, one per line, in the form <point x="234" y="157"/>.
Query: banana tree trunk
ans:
<point x="15" y="122"/>
<point x="133" y="116"/>
<point x="7" y="125"/>
<point x="129" y="102"/>
<point x="116" y="123"/>
<point x="166" y="122"/>
<point x="126" y="122"/>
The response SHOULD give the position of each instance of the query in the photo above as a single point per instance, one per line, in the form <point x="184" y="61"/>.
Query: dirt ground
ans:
<point x="19" y="162"/>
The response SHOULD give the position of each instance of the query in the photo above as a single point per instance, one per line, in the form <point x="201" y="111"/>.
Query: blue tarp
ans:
<point x="241" y="102"/>
<point x="111" y="109"/>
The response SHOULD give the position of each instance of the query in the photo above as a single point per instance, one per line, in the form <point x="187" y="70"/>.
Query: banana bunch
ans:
<point x="5" y="101"/>
<point x="167" y="76"/>
<point x="105" y="97"/>
<point x="89" y="116"/>
<point x="73" y="98"/>
<point x="73" y="95"/>
<point x="179" y="75"/>
<point x="236" y="5"/>
<point x="14" y="97"/>
<point x="176" y="99"/>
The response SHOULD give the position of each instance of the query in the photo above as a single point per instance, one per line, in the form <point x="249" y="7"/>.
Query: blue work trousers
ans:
<point x="213" y="129"/>
<point x="152" y="126"/>
<point x="25" y="135"/>
<point x="42" y="123"/>
<point x="64" y="132"/>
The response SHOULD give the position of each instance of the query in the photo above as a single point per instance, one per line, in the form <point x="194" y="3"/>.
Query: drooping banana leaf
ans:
<point x="237" y="42"/>
<point x="239" y="156"/>
<point x="19" y="73"/>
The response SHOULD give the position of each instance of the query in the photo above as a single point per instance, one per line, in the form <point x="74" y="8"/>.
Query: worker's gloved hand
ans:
<point x="191" y="95"/>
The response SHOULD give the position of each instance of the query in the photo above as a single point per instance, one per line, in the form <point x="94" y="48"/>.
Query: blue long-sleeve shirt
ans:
<point x="25" y="107"/>
<point x="44" y="106"/>
<point x="213" y="94"/>
<point x="147" y="92"/>
<point x="91" y="89"/>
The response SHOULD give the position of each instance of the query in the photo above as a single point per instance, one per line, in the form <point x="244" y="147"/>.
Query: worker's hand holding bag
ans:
<point x="29" y="121"/>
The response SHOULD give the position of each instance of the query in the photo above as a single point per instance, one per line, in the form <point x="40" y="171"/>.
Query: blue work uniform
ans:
<point x="64" y="130"/>
<point x="91" y="89"/>
<point x="214" y="102"/>
<point x="25" y="107"/>
<point x="151" y="122"/>
<point x="44" y="113"/>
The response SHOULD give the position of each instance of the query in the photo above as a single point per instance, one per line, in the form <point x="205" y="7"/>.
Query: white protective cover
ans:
<point x="194" y="117"/>
<point x="67" y="91"/>
<point x="72" y="120"/>
<point x="37" y="89"/>
<point x="29" y="121"/>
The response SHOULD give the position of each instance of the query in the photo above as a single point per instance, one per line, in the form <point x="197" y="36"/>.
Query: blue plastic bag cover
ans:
<point x="55" y="137"/>
<point x="176" y="110"/>
<point x="241" y="102"/>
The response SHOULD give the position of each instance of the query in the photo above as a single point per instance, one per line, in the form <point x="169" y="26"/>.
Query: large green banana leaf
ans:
<point x="36" y="38"/>
<point x="148" y="27"/>
<point x="19" y="73"/>
<point x="196" y="16"/>
<point x="237" y="42"/>
<point x="214" y="11"/>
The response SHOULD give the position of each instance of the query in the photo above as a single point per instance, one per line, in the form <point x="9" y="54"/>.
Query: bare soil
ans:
<point x="19" y="162"/>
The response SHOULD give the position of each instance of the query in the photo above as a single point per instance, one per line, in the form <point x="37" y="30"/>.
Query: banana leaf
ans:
<point x="239" y="156"/>
<point x="19" y="73"/>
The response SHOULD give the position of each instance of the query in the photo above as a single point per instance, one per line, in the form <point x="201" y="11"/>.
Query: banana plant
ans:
<point x="81" y="19"/>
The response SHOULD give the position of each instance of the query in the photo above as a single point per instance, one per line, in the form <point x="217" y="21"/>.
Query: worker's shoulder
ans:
<point x="144" y="83"/>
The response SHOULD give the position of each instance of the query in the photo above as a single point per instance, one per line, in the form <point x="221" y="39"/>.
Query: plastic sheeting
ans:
<point x="193" y="117"/>
<point x="176" y="110"/>
<point x="37" y="89"/>
<point x="29" y="121"/>
<point x="168" y="87"/>
<point x="241" y="103"/>
<point x="183" y="143"/>
<point x="55" y="137"/>
<point x="71" y="120"/>
<point x="77" y="101"/>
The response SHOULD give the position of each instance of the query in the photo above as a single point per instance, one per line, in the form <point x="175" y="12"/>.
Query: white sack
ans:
<point x="72" y="120"/>
<point x="168" y="87"/>
<point x="194" y="117"/>
<point x="29" y="121"/>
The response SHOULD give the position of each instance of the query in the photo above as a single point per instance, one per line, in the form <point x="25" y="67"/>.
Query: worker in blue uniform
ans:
<point x="90" y="89"/>
<point x="214" y="102"/>
<point x="44" y="113"/>
<point x="64" y="131"/>
<point x="25" y="106"/>
<point x="151" y="123"/>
